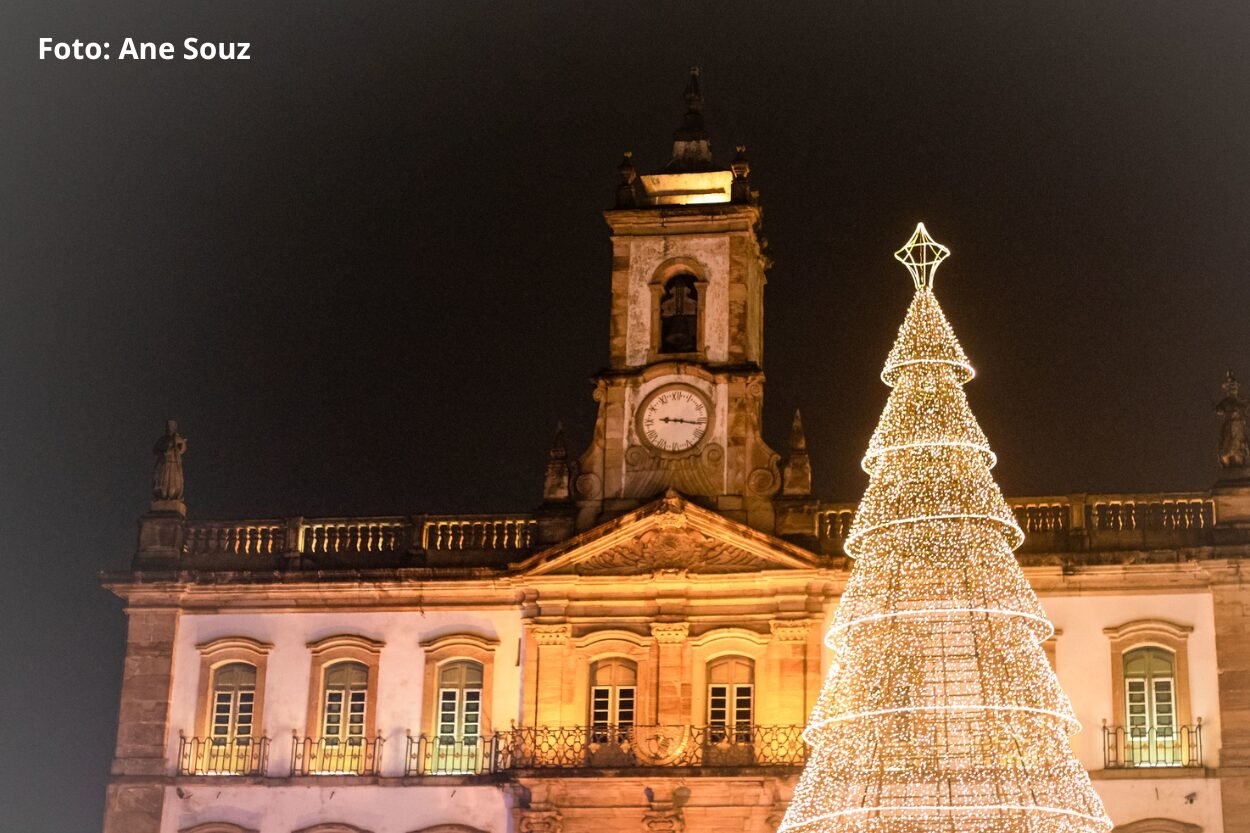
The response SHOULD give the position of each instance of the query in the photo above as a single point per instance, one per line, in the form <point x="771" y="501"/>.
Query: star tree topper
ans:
<point x="922" y="255"/>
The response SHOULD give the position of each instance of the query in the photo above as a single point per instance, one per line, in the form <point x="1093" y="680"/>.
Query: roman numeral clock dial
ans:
<point x="673" y="419"/>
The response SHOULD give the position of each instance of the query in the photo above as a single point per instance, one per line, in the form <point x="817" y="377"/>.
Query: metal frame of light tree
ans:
<point x="940" y="713"/>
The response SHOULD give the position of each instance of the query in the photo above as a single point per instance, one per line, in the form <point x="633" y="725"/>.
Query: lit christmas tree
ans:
<point x="940" y="712"/>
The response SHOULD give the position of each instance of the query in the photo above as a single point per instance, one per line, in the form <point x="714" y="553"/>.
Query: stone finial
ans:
<point x="167" y="479"/>
<point x="740" y="190"/>
<point x="627" y="189"/>
<point x="796" y="475"/>
<point x="692" y="150"/>
<point x="556" y="483"/>
<point x="1234" y="447"/>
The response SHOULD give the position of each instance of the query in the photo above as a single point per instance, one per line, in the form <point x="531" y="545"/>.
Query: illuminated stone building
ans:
<point x="640" y="652"/>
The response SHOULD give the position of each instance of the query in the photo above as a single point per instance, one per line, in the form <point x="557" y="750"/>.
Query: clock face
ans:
<point x="673" y="418"/>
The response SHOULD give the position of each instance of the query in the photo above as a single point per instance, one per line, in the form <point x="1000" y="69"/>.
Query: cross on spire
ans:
<point x="922" y="255"/>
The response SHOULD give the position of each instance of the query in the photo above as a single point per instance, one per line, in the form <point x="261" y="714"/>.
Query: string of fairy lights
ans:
<point x="940" y="713"/>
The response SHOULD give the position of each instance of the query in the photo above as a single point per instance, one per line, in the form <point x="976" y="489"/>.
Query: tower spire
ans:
<point x="692" y="151"/>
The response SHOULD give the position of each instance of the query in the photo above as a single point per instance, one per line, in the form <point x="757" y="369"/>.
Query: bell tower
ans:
<point x="680" y="401"/>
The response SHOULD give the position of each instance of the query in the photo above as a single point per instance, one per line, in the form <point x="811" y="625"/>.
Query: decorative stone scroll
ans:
<point x="790" y="630"/>
<point x="551" y="634"/>
<point x="670" y="632"/>
<point x="539" y="821"/>
<point x="663" y="821"/>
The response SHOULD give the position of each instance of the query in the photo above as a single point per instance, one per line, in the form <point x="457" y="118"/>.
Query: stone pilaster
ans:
<point x="1232" y="646"/>
<point x="786" y="669"/>
<point x="143" y="723"/>
<point x="550" y="644"/>
<point x="672" y="672"/>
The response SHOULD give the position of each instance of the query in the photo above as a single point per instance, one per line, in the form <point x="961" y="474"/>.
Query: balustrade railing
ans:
<point x="1129" y="747"/>
<point x="607" y="747"/>
<point x="1087" y="521"/>
<point x="242" y="538"/>
<point x="451" y="756"/>
<point x="512" y="533"/>
<point x="358" y="536"/>
<point x="355" y="536"/>
<point x="331" y="756"/>
<point x="222" y="756"/>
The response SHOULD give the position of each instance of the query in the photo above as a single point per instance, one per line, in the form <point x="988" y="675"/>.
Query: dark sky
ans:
<point x="367" y="271"/>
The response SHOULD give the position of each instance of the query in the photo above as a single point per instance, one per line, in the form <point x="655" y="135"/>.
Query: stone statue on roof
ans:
<point x="1234" y="447"/>
<point x="167" y="481"/>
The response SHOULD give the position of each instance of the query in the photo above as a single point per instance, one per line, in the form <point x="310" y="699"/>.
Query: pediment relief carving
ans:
<point x="670" y="549"/>
<point x="668" y="536"/>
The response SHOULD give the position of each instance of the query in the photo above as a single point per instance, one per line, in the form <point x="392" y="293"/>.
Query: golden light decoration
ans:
<point x="922" y="255"/>
<point x="940" y="713"/>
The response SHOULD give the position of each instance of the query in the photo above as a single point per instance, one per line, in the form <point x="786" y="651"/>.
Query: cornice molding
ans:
<point x="462" y="639"/>
<point x="345" y="640"/>
<point x="1146" y="628"/>
<point x="233" y="643"/>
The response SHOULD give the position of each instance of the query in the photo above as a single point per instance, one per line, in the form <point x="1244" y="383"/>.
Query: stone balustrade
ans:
<point x="1064" y="523"/>
<point x="1055" y="523"/>
<point x="294" y="537"/>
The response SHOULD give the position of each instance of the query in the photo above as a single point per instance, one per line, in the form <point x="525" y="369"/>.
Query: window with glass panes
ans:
<point x="234" y="701"/>
<point x="344" y="703"/>
<point x="613" y="690"/>
<point x="460" y="701"/>
<point x="1150" y="692"/>
<point x="731" y="698"/>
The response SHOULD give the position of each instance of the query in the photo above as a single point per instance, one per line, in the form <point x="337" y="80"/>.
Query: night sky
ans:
<point x="367" y="271"/>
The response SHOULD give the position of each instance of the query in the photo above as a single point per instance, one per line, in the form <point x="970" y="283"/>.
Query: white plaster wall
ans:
<point x="1133" y="799"/>
<point x="374" y="808"/>
<point x="400" y="672"/>
<point x="1083" y="660"/>
<point x="645" y="256"/>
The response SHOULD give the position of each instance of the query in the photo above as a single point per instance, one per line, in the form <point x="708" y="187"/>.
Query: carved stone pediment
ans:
<point x="681" y="550"/>
<point x="669" y="535"/>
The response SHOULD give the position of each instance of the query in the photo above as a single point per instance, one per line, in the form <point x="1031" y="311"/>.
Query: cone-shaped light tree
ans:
<point x="940" y="713"/>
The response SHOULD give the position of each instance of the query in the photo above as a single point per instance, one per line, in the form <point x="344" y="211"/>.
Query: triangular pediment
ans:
<point x="670" y="534"/>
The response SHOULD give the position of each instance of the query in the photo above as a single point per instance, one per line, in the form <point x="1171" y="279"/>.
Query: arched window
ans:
<point x="460" y="701"/>
<point x="731" y="698"/>
<point x="613" y="690"/>
<point x="234" y="702"/>
<point x="1150" y="693"/>
<point x="344" y="701"/>
<point x="679" y="315"/>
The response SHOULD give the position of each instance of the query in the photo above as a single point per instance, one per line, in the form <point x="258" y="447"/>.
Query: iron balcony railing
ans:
<point x="223" y="756"/>
<point x="471" y="755"/>
<point x="1126" y="746"/>
<point x="332" y="756"/>
<point x="607" y="747"/>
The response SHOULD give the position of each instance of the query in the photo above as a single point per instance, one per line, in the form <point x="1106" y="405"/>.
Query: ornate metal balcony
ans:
<point x="1128" y="747"/>
<point x="330" y="756"/>
<point x="451" y="756"/>
<point x="608" y="747"/>
<point x="219" y="756"/>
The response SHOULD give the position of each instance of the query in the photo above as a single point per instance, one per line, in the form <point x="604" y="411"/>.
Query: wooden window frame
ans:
<point x="717" y="644"/>
<point x="460" y="703"/>
<point x="441" y="650"/>
<point x="606" y="645"/>
<point x="213" y="655"/>
<point x="1150" y="633"/>
<point x="336" y="649"/>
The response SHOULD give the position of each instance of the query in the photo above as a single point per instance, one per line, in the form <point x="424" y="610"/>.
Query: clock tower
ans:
<point x="680" y="401"/>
